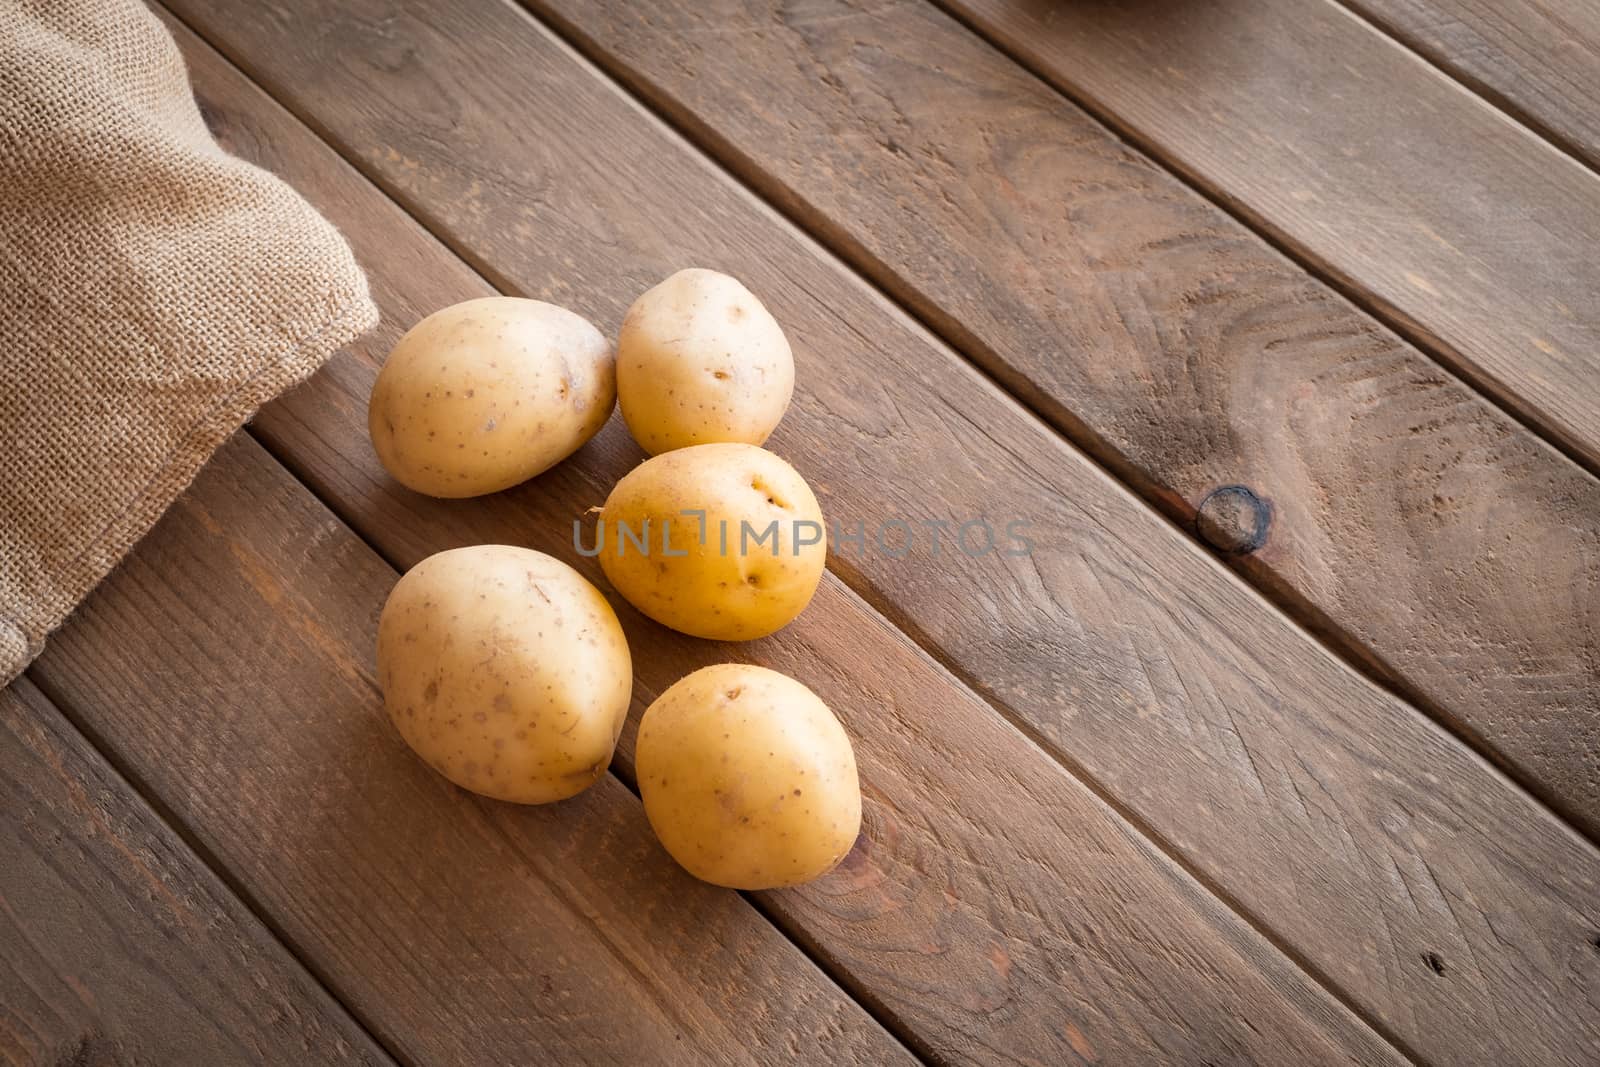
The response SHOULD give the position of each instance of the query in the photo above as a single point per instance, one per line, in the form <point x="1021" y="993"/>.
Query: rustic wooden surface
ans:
<point x="971" y="955"/>
<point x="458" y="930"/>
<point x="1469" y="233"/>
<point x="120" y="946"/>
<point x="1147" y="818"/>
<point x="1173" y="344"/>
<point x="473" y="931"/>
<point x="1537" y="59"/>
<point x="1166" y="639"/>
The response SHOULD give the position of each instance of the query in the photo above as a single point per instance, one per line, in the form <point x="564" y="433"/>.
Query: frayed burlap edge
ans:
<point x="22" y="639"/>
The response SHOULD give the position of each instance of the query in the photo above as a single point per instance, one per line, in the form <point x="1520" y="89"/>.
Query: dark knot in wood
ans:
<point x="1233" y="520"/>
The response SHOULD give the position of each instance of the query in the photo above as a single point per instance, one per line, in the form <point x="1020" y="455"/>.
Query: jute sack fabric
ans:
<point x="154" y="291"/>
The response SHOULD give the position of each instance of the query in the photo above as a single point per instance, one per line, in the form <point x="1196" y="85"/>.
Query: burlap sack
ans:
<point x="153" y="292"/>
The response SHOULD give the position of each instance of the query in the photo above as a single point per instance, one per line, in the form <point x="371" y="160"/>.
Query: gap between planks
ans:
<point x="836" y="244"/>
<point x="1497" y="99"/>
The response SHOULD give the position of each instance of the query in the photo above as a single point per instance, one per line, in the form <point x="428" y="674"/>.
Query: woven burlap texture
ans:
<point x="154" y="291"/>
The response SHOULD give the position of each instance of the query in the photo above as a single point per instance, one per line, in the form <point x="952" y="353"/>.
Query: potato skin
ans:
<point x="488" y="393"/>
<point x="730" y="595"/>
<point x="506" y="671"/>
<point x="747" y="778"/>
<point x="701" y="360"/>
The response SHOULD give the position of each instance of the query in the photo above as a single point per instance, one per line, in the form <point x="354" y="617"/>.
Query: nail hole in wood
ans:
<point x="1434" y="962"/>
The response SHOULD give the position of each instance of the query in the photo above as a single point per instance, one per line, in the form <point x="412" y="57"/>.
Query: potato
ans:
<point x="700" y="360"/>
<point x="747" y="778"/>
<point x="745" y="566"/>
<point x="488" y="393"/>
<point x="506" y="671"/>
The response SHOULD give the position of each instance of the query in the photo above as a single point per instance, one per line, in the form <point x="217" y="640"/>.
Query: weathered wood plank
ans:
<point x="1294" y="787"/>
<point x="117" y="944"/>
<point x="1538" y="59"/>
<point x="1468" y="232"/>
<point x="1006" y="926"/>
<point x="229" y="661"/>
<point x="1426" y="532"/>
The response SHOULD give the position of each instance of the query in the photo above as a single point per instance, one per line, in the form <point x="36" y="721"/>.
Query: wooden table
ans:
<point x="1303" y="771"/>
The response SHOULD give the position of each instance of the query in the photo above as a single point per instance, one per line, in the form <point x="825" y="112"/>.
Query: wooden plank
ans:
<point x="1294" y="787"/>
<point x="117" y="944"/>
<point x="1537" y="59"/>
<point x="229" y="661"/>
<point x="1430" y="535"/>
<point x="1469" y="233"/>
<point x="1004" y="927"/>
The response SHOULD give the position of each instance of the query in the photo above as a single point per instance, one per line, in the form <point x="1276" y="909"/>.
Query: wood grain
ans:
<point x="1466" y="231"/>
<point x="117" y="944"/>
<point x="1435" y="539"/>
<point x="993" y="904"/>
<point x="1362" y="835"/>
<point x="1538" y="59"/>
<point x="229" y="661"/>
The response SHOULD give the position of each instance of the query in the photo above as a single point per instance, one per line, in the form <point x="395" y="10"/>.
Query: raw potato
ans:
<point x="700" y="360"/>
<point x="506" y="671"/>
<point x="488" y="393"/>
<point x="747" y="778"/>
<point x="727" y="586"/>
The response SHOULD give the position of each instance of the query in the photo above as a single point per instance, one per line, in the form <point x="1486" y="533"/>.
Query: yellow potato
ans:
<point x="747" y="778"/>
<point x="506" y="671"/>
<point x="488" y="393"/>
<point x="721" y="541"/>
<point x="700" y="360"/>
